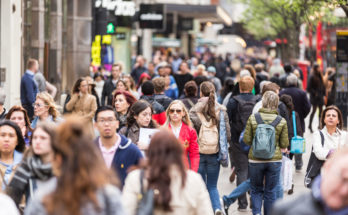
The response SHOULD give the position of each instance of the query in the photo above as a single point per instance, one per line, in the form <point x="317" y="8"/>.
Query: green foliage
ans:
<point x="271" y="18"/>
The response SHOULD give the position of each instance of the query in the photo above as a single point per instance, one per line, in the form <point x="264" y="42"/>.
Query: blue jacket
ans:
<point x="28" y="89"/>
<point x="126" y="155"/>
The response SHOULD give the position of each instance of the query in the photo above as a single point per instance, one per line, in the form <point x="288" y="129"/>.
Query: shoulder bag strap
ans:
<point x="190" y="102"/>
<point x="258" y="118"/>
<point x="322" y="138"/>
<point x="294" y="123"/>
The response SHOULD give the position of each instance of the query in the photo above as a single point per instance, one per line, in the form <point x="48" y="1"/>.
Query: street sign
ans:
<point x="152" y="16"/>
<point x="342" y="73"/>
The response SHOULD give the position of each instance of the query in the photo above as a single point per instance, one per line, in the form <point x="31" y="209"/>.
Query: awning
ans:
<point x="165" y="42"/>
<point x="204" y="13"/>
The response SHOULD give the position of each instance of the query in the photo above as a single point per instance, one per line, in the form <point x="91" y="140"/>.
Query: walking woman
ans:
<point x="122" y="101"/>
<point x="177" y="190"/>
<point x="83" y="104"/>
<point x="206" y="115"/>
<point x="316" y="89"/>
<point x="45" y="109"/>
<point x="36" y="168"/>
<point x="265" y="166"/>
<point x="139" y="116"/>
<point x="178" y="121"/>
<point x="20" y="116"/>
<point x="331" y="124"/>
<point x="12" y="147"/>
<point x="83" y="185"/>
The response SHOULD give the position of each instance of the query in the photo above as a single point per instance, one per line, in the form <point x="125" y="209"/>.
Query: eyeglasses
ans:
<point x="175" y="110"/>
<point x="108" y="120"/>
<point x="38" y="105"/>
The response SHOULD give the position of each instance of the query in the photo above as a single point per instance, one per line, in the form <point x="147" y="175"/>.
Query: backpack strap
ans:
<point x="258" y="118"/>
<point x="190" y="102"/>
<point x="276" y="121"/>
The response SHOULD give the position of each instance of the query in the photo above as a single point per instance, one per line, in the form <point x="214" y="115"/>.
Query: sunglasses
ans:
<point x="174" y="110"/>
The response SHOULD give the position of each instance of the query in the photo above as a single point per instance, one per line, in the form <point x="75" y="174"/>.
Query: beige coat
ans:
<point x="193" y="199"/>
<point x="84" y="106"/>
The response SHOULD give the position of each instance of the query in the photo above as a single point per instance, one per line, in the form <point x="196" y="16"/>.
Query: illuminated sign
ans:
<point x="121" y="8"/>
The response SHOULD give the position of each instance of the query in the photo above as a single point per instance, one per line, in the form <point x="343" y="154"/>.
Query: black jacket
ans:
<point x="108" y="88"/>
<point x="163" y="100"/>
<point x="156" y="107"/>
<point x="316" y="90"/>
<point x="301" y="103"/>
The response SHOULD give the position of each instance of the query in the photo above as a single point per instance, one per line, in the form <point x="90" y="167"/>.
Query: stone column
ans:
<point x="55" y="53"/>
<point x="10" y="50"/>
<point x="37" y="31"/>
<point x="79" y="26"/>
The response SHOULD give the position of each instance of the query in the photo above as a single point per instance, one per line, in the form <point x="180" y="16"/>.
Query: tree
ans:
<point x="282" y="19"/>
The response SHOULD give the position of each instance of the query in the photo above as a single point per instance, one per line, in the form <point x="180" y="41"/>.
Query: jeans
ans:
<point x="280" y="190"/>
<point x="209" y="169"/>
<point x="240" y="190"/>
<point x="264" y="178"/>
<point x="240" y="160"/>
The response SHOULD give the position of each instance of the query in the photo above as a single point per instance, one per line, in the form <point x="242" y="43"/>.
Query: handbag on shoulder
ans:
<point x="146" y="198"/>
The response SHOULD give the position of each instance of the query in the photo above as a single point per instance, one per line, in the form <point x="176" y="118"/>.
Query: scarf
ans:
<point x="31" y="168"/>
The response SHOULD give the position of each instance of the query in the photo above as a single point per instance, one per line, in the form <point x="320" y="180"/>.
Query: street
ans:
<point x="225" y="187"/>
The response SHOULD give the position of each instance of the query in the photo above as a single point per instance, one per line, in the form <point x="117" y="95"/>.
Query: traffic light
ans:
<point x="110" y="28"/>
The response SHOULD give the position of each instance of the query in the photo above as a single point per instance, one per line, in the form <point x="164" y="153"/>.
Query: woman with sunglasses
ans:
<point x="207" y="111"/>
<point x="178" y="121"/>
<point x="45" y="109"/>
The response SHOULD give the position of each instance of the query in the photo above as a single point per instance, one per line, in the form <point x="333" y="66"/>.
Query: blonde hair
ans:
<point x="48" y="100"/>
<point x="270" y="100"/>
<point x="185" y="119"/>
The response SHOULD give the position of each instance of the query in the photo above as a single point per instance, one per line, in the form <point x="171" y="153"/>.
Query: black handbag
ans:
<point x="314" y="166"/>
<point x="146" y="199"/>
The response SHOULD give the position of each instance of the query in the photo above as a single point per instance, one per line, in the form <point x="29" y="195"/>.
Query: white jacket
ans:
<point x="331" y="142"/>
<point x="193" y="199"/>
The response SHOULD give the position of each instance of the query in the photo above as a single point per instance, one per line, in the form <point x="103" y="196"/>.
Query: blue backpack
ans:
<point x="264" y="143"/>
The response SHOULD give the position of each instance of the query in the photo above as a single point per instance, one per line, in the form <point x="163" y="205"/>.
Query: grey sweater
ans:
<point x="109" y="199"/>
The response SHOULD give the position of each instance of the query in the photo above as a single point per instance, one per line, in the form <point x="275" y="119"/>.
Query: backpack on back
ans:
<point x="208" y="137"/>
<point x="245" y="109"/>
<point x="264" y="142"/>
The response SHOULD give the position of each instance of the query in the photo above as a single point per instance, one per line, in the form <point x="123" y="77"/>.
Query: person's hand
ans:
<point x="142" y="146"/>
<point x="286" y="151"/>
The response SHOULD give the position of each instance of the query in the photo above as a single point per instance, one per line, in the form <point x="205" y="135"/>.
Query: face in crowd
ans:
<point x="40" y="108"/>
<point x="143" y="119"/>
<point x="176" y="113"/>
<point x="116" y="72"/>
<point x="18" y="118"/>
<point x="83" y="87"/>
<point x="8" y="139"/>
<point x="41" y="142"/>
<point x="121" y="104"/>
<point x="331" y="118"/>
<point x="107" y="123"/>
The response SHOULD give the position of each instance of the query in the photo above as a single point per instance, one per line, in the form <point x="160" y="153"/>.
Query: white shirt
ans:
<point x="331" y="142"/>
<point x="176" y="130"/>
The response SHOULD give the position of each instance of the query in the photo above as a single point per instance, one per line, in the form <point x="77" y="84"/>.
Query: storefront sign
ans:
<point x="152" y="16"/>
<point x="121" y="8"/>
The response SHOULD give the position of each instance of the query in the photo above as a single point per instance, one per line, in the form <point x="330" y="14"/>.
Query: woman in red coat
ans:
<point x="178" y="121"/>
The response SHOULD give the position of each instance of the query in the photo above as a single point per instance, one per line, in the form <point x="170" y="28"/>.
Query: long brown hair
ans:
<point x="208" y="90"/>
<point x="339" y="115"/>
<point x="164" y="152"/>
<point x="26" y="118"/>
<point x="82" y="170"/>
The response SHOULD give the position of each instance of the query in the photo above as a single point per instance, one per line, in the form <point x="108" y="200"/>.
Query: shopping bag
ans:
<point x="298" y="144"/>
<point x="287" y="168"/>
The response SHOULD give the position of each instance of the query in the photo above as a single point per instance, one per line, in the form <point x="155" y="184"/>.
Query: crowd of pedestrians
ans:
<point x="89" y="156"/>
